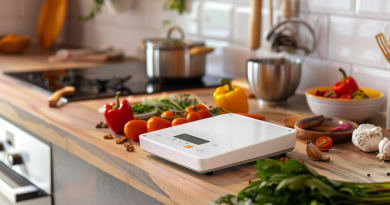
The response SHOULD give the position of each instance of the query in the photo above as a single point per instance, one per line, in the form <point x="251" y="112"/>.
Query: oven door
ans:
<point x="14" y="189"/>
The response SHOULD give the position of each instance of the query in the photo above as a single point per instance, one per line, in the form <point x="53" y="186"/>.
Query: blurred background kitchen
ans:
<point x="344" y="29"/>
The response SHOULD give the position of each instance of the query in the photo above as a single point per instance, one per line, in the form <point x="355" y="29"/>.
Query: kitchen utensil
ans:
<point x="355" y="110"/>
<point x="66" y="54"/>
<point x="270" y="14"/>
<point x="289" y="8"/>
<point x="255" y="25"/>
<point x="201" y="147"/>
<point x="106" y="56"/>
<point x="272" y="81"/>
<point x="383" y="45"/>
<point x="65" y="91"/>
<point x="51" y="21"/>
<point x="324" y="130"/>
<point x="289" y="121"/>
<point x="292" y="35"/>
<point x="175" y="58"/>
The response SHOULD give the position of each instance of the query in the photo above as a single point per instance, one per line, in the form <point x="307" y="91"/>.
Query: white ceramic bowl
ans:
<point x="354" y="110"/>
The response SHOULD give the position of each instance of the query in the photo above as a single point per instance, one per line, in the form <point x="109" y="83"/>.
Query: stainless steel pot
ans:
<point x="273" y="80"/>
<point x="175" y="58"/>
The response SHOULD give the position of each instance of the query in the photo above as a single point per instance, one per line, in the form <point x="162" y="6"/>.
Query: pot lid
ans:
<point x="172" y="43"/>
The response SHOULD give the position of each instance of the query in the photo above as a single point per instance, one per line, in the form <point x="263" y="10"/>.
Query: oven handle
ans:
<point x="14" y="189"/>
<point x="18" y="193"/>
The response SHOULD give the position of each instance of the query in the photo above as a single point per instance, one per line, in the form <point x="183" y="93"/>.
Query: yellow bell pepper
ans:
<point x="231" y="97"/>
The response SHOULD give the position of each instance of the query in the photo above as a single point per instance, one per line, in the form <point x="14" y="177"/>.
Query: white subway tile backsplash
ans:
<point x="345" y="7"/>
<point x="319" y="23"/>
<point x="31" y="8"/>
<point x="10" y="8"/>
<point x="369" y="77"/>
<point x="216" y="20"/>
<point x="317" y="72"/>
<point x="373" y="8"/>
<point x="18" y="27"/>
<point x="241" y="26"/>
<point x="353" y="40"/>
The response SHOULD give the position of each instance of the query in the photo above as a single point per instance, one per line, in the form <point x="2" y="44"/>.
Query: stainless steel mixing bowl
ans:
<point x="273" y="80"/>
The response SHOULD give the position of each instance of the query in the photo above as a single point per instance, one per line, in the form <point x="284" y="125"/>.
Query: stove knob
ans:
<point x="15" y="159"/>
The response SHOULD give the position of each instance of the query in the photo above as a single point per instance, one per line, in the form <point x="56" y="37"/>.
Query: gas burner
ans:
<point x="102" y="85"/>
<point x="105" y="81"/>
<point x="67" y="80"/>
<point x="119" y="85"/>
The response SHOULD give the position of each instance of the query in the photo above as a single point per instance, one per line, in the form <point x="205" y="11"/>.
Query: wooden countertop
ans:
<point x="72" y="127"/>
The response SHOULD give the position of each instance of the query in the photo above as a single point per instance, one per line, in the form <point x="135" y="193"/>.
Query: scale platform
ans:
<point x="219" y="142"/>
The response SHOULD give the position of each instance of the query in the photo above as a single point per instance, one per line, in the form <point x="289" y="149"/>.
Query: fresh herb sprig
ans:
<point x="294" y="183"/>
<point x="175" y="102"/>
<point x="96" y="8"/>
<point x="179" y="5"/>
<point x="142" y="108"/>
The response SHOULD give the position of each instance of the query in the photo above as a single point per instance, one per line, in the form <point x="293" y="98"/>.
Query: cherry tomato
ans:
<point x="193" y="116"/>
<point x="179" y="121"/>
<point x="134" y="128"/>
<point x="168" y="114"/>
<point x="324" y="143"/>
<point x="200" y="109"/>
<point x="156" y="123"/>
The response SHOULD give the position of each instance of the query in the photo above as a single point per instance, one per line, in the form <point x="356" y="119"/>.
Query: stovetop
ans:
<point x="105" y="81"/>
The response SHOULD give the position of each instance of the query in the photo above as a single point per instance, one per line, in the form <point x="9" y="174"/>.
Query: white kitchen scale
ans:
<point x="219" y="142"/>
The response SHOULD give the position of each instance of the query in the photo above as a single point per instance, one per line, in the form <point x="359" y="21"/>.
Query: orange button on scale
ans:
<point x="188" y="146"/>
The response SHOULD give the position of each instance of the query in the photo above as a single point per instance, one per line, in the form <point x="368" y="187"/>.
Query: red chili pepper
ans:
<point x="345" y="85"/>
<point x="346" y="96"/>
<point x="117" y="114"/>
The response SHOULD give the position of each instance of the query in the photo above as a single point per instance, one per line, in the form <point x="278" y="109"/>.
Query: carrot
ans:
<point x="254" y="116"/>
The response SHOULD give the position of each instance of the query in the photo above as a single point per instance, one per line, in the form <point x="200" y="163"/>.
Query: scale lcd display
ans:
<point x="192" y="139"/>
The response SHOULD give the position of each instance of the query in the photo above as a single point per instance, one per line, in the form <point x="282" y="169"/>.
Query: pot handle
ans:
<point x="199" y="50"/>
<point x="177" y="28"/>
<point x="141" y="44"/>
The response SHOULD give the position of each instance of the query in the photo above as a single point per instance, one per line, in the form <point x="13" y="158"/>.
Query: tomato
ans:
<point x="193" y="116"/>
<point x="134" y="128"/>
<point x="168" y="114"/>
<point x="324" y="143"/>
<point x="179" y="121"/>
<point x="156" y="123"/>
<point x="200" y="109"/>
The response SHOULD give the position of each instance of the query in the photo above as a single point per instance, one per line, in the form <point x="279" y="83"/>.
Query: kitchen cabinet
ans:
<point x="76" y="181"/>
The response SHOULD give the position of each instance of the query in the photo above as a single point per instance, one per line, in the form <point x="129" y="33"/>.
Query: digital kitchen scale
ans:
<point x="219" y="142"/>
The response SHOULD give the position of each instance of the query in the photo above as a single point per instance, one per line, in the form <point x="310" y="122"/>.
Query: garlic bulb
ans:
<point x="367" y="137"/>
<point x="384" y="149"/>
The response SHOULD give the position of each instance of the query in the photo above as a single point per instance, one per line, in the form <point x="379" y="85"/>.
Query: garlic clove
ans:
<point x="314" y="153"/>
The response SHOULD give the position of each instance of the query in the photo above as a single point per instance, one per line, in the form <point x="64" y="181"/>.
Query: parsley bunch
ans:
<point x="294" y="183"/>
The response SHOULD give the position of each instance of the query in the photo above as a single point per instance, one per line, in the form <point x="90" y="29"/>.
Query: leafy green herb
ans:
<point x="294" y="183"/>
<point x="166" y="23"/>
<point x="179" y="5"/>
<point x="96" y="8"/>
<point x="142" y="108"/>
<point x="176" y="102"/>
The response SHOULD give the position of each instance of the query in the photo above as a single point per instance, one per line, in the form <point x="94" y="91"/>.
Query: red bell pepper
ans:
<point x="117" y="114"/>
<point x="345" y="85"/>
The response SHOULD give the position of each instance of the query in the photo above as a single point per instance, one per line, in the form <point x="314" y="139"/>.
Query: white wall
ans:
<point x="19" y="17"/>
